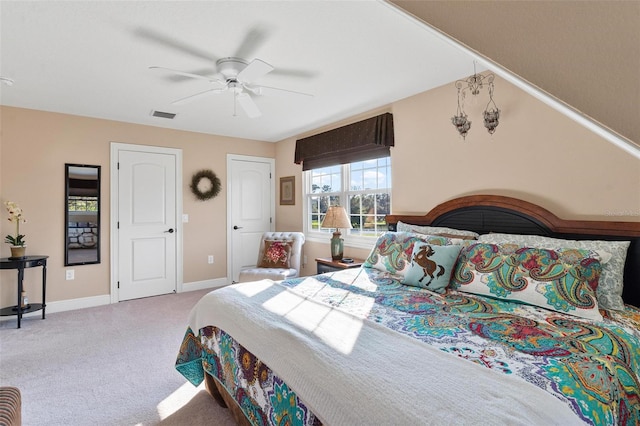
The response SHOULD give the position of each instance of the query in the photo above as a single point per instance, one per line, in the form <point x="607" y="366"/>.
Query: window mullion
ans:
<point x="346" y="180"/>
<point x="344" y="197"/>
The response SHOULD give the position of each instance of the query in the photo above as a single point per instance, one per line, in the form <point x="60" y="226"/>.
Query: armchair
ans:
<point x="279" y="257"/>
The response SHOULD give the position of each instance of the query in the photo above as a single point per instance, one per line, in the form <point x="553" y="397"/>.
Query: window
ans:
<point x="363" y="188"/>
<point x="78" y="203"/>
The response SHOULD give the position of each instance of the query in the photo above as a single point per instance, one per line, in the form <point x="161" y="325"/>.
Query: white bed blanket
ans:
<point x="352" y="371"/>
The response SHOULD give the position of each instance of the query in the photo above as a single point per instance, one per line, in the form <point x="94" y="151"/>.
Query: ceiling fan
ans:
<point x="237" y="76"/>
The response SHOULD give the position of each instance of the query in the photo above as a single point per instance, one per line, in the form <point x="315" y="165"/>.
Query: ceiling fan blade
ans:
<point x="248" y="105"/>
<point x="254" y="70"/>
<point x="290" y="72"/>
<point x="198" y="95"/>
<point x="157" y="37"/>
<point x="252" y="41"/>
<point x="274" y="91"/>
<point x="188" y="74"/>
<point x="180" y="78"/>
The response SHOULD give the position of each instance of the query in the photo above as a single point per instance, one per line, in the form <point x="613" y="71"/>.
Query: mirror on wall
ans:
<point x="82" y="214"/>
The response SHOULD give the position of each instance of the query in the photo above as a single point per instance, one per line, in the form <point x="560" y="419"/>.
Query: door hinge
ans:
<point x="118" y="165"/>
<point x="118" y="226"/>
<point x="270" y="220"/>
<point x="118" y="284"/>
<point x="269" y="175"/>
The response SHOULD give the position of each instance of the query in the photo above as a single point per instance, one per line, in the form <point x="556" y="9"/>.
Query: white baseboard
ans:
<point x="66" y="305"/>
<point x="81" y="303"/>
<point x="91" y="302"/>
<point x="202" y="285"/>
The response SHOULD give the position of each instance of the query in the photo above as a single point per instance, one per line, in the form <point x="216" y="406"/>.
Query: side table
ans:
<point x="328" y="265"/>
<point x="21" y="264"/>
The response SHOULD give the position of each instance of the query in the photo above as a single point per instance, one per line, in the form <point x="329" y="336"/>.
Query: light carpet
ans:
<point x="109" y="365"/>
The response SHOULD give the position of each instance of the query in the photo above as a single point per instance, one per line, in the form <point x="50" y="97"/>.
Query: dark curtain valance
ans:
<point x="83" y="187"/>
<point x="359" y="141"/>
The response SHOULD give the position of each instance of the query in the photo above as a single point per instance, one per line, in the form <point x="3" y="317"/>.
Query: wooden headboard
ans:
<point x="493" y="213"/>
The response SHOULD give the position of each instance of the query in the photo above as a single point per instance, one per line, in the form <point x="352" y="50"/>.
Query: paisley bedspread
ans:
<point x="593" y="367"/>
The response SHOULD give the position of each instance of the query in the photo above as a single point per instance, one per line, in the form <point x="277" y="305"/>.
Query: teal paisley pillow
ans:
<point x="392" y="251"/>
<point x="431" y="266"/>
<point x="563" y="280"/>
<point x="609" y="292"/>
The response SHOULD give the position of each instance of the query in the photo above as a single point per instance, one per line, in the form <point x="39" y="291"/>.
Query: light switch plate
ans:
<point x="185" y="218"/>
<point x="70" y="274"/>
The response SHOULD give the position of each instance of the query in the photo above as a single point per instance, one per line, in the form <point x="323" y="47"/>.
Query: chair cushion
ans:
<point x="276" y="274"/>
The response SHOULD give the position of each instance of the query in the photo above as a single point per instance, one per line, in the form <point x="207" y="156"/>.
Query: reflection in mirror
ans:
<point x="82" y="214"/>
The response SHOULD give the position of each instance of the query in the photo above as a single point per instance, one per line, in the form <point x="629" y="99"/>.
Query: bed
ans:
<point x="524" y="319"/>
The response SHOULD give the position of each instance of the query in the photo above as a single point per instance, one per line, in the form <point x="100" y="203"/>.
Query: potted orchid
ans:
<point x="17" y="241"/>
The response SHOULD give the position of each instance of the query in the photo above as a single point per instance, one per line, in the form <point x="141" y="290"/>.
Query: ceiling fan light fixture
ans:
<point x="235" y="87"/>
<point x="230" y="67"/>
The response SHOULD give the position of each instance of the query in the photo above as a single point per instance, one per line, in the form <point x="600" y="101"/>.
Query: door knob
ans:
<point x="169" y="231"/>
<point x="237" y="227"/>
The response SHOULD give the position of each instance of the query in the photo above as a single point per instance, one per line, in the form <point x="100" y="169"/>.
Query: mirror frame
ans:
<point x="67" y="167"/>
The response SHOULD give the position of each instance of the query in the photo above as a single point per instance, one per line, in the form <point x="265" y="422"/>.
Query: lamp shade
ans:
<point x="336" y="217"/>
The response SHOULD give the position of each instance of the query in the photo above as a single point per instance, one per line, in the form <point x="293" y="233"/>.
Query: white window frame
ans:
<point x="355" y="241"/>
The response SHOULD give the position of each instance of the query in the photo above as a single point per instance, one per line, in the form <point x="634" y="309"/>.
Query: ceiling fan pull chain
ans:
<point x="235" y="98"/>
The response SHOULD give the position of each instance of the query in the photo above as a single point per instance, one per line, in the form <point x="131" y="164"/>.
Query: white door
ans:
<point x="147" y="226"/>
<point x="251" y="208"/>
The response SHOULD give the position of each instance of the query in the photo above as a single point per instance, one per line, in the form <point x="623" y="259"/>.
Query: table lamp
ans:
<point x="337" y="218"/>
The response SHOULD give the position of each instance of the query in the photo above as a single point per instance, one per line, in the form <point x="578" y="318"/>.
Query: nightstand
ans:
<point x="328" y="265"/>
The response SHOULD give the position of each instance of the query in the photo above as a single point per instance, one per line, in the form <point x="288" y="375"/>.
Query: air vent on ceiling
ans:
<point x="163" y="114"/>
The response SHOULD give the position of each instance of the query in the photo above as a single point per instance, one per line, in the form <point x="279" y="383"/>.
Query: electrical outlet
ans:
<point x="210" y="259"/>
<point x="70" y="274"/>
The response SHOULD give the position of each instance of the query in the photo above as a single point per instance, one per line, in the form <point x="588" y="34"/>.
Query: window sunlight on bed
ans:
<point x="334" y="327"/>
<point x="255" y="288"/>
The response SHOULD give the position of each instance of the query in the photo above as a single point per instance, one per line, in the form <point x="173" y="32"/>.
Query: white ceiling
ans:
<point x="92" y="58"/>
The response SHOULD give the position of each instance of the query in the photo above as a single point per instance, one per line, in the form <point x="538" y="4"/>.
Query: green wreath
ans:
<point x="214" y="185"/>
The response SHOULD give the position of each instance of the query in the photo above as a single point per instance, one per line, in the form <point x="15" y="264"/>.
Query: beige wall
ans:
<point x="536" y="154"/>
<point x="35" y="147"/>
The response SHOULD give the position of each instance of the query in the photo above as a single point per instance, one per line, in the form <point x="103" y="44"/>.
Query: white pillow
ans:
<point x="434" y="230"/>
<point x="609" y="291"/>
